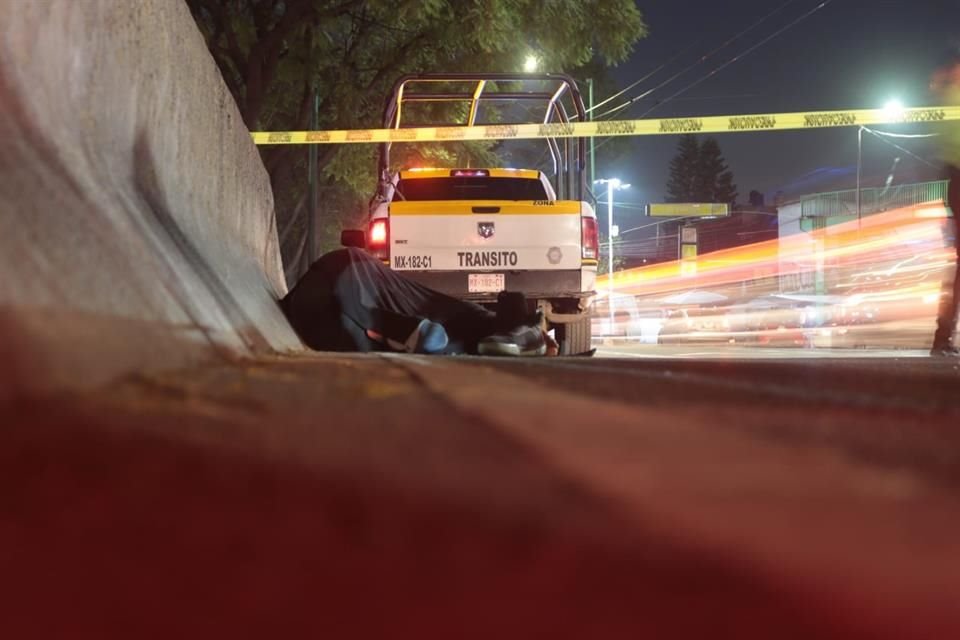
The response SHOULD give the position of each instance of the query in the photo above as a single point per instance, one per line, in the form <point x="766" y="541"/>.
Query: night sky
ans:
<point x="851" y="54"/>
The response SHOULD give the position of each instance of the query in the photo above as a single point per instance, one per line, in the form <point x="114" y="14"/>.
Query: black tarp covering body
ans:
<point x="347" y="292"/>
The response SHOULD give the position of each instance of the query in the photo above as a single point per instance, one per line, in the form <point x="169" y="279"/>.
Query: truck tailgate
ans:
<point x="485" y="235"/>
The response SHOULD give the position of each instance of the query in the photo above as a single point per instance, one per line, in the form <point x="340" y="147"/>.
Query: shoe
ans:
<point x="429" y="338"/>
<point x="945" y="351"/>
<point x="523" y="340"/>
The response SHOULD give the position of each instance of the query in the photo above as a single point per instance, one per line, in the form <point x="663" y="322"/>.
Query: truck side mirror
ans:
<point x="353" y="238"/>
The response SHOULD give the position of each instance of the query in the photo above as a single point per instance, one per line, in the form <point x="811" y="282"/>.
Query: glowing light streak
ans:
<point x="878" y="284"/>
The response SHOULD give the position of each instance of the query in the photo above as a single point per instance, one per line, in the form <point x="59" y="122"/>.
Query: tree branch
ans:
<point x="223" y="26"/>
<point x="264" y="56"/>
<point x="397" y="59"/>
<point x="291" y="220"/>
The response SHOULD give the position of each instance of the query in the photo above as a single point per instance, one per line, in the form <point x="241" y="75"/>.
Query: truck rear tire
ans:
<point x="574" y="337"/>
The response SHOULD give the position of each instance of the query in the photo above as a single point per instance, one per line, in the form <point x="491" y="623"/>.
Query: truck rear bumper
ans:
<point x="567" y="284"/>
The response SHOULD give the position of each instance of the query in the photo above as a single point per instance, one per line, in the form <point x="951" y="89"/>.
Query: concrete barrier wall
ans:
<point x="136" y="220"/>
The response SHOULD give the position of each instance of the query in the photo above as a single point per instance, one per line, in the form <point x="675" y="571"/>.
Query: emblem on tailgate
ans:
<point x="554" y="255"/>
<point x="485" y="229"/>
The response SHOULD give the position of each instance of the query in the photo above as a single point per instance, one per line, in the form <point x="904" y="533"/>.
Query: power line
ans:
<point x="721" y="67"/>
<point x="902" y="135"/>
<point x="625" y="205"/>
<point x="633" y="84"/>
<point x="701" y="60"/>
<point x="893" y="144"/>
<point x="741" y="55"/>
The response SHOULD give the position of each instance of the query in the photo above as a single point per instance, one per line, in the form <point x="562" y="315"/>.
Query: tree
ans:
<point x="714" y="178"/>
<point x="278" y="56"/>
<point x="682" y="183"/>
<point x="699" y="173"/>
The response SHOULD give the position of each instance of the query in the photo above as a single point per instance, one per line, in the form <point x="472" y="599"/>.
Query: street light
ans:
<point x="613" y="184"/>
<point x="531" y="63"/>
<point x="893" y="109"/>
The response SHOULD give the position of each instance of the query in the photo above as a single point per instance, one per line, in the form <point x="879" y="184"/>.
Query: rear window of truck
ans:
<point x="471" y="188"/>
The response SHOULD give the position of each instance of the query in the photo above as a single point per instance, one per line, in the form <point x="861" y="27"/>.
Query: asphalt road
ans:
<point x="418" y="497"/>
<point x="739" y="352"/>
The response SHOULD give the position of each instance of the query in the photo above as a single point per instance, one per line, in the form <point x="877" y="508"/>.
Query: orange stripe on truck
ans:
<point x="465" y="208"/>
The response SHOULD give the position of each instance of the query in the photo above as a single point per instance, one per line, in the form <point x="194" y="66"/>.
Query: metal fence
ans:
<point x="873" y="200"/>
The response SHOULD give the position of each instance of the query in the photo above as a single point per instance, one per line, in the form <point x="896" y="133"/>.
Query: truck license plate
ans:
<point x="485" y="282"/>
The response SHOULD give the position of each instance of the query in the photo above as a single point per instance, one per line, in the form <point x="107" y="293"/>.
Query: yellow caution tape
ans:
<point x="606" y="128"/>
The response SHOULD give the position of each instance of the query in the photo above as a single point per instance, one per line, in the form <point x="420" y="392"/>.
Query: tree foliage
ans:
<point x="277" y="55"/>
<point x="273" y="52"/>
<point x="681" y="184"/>
<point x="699" y="173"/>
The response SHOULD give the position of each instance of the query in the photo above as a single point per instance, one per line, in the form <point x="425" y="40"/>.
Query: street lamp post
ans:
<point x="613" y="184"/>
<point x="859" y="169"/>
<point x="893" y="110"/>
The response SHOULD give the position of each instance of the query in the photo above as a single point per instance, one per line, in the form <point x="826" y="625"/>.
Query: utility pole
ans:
<point x="859" y="169"/>
<point x="311" y="251"/>
<point x="613" y="184"/>
<point x="593" y="161"/>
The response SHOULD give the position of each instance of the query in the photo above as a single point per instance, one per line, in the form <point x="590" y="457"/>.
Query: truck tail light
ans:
<point x="590" y="238"/>
<point x="379" y="244"/>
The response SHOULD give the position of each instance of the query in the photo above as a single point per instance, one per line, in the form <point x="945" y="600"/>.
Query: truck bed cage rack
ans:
<point x="569" y="164"/>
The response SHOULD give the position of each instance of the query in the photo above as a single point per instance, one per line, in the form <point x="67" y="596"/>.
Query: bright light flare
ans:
<point x="613" y="183"/>
<point x="893" y="109"/>
<point x="531" y="63"/>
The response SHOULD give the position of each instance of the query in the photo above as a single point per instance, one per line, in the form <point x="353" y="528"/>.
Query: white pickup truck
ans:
<point x="473" y="232"/>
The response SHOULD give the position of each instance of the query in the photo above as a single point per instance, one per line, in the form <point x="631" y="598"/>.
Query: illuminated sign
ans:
<point x="688" y="210"/>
